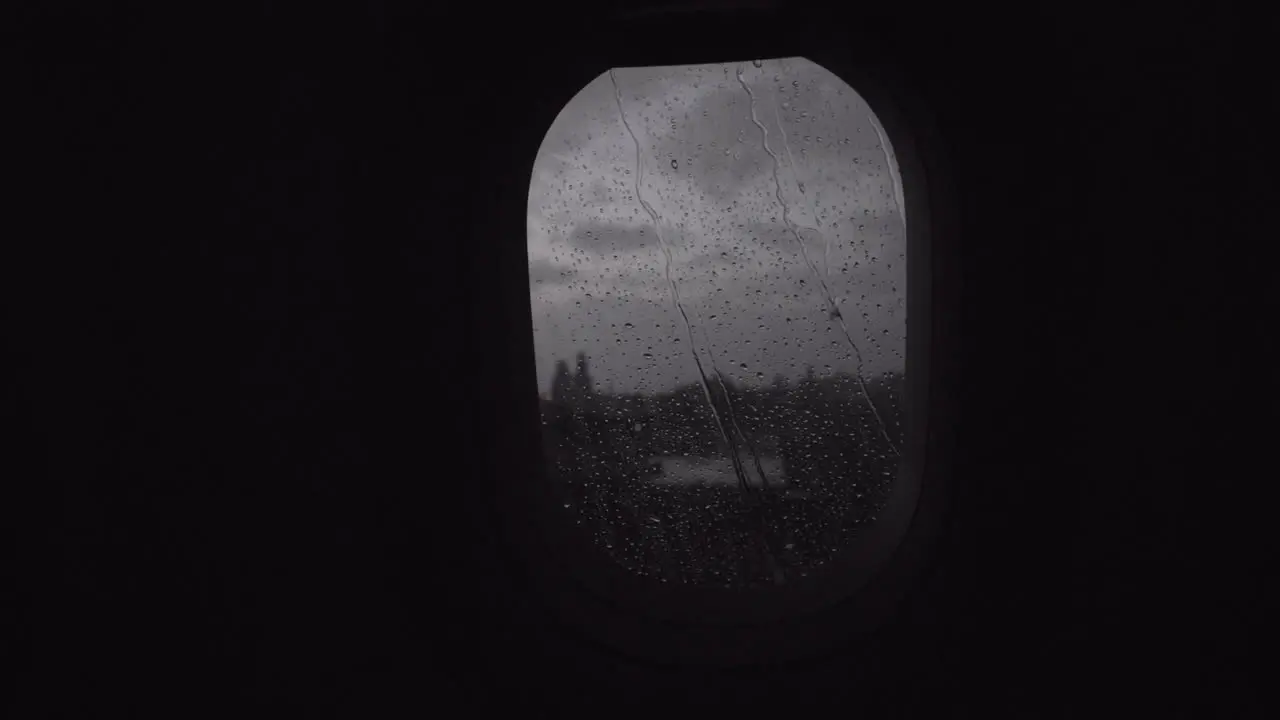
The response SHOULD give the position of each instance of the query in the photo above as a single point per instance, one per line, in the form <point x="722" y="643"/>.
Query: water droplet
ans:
<point x="757" y="63"/>
<point x="674" y="164"/>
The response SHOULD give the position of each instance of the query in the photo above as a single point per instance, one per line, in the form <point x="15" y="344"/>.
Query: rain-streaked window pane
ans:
<point x="717" y="262"/>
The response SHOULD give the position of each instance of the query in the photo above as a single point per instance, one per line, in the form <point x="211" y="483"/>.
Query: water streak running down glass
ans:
<point x="717" y="261"/>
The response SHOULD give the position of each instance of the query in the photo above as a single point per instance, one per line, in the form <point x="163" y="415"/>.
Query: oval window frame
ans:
<point x="855" y="591"/>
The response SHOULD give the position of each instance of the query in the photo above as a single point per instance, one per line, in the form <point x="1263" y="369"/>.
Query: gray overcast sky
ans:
<point x="597" y="267"/>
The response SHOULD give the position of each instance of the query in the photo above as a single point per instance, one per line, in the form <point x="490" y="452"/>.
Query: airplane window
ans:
<point x="717" y="264"/>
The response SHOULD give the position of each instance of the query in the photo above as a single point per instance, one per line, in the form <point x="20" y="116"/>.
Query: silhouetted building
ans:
<point x="562" y="384"/>
<point x="575" y="390"/>
<point x="583" y="379"/>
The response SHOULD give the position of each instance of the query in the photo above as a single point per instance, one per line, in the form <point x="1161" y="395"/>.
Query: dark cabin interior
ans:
<point x="267" y="271"/>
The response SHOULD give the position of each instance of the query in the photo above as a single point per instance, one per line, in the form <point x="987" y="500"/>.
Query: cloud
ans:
<point x="545" y="272"/>
<point x="715" y="145"/>
<point x="611" y="238"/>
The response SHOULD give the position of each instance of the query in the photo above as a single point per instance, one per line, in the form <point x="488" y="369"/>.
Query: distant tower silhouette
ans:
<point x="562" y="383"/>
<point x="583" y="379"/>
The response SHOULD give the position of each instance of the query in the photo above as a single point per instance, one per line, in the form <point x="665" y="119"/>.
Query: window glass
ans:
<point x="717" y="262"/>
